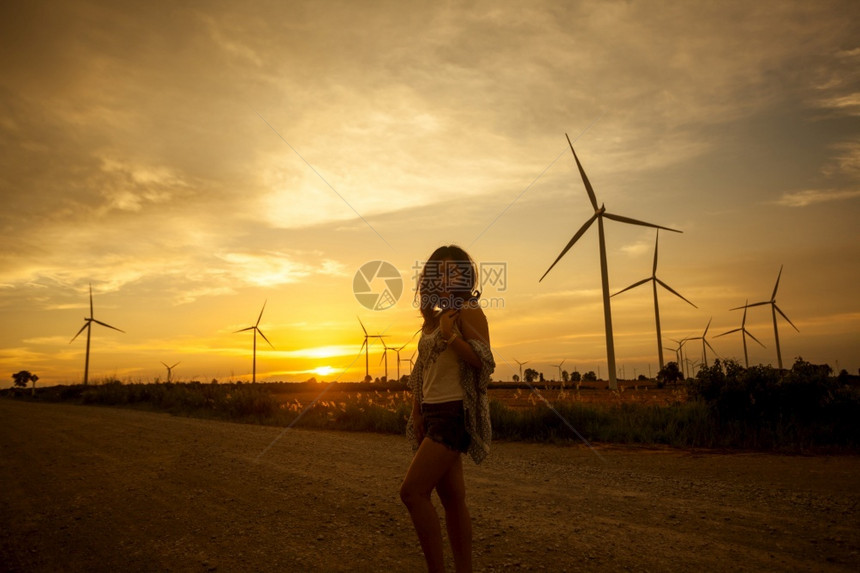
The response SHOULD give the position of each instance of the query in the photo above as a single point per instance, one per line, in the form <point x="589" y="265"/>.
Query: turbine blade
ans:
<point x="776" y="286"/>
<point x="744" y="320"/>
<point x="264" y="337"/>
<point x="585" y="181"/>
<point x="752" y="305"/>
<point x="166" y="366"/>
<point x="177" y="364"/>
<point x="707" y="327"/>
<point x="86" y="324"/>
<point x="634" y="285"/>
<point x="656" y="242"/>
<point x="363" y="344"/>
<point x="244" y="329"/>
<point x="362" y="325"/>
<point x="622" y="219"/>
<point x="785" y="317"/>
<point x="91" y="300"/>
<point x="575" y="238"/>
<point x="709" y="345"/>
<point x="261" y="313"/>
<point x="727" y="332"/>
<point x="674" y="292"/>
<point x="109" y="326"/>
<point x="748" y="333"/>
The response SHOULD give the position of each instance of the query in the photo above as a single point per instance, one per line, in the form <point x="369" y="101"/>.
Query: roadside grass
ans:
<point x="726" y="406"/>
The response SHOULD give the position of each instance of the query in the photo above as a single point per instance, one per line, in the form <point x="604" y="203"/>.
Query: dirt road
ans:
<point x="101" y="489"/>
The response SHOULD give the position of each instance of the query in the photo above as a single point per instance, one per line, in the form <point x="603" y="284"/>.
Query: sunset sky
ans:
<point x="193" y="160"/>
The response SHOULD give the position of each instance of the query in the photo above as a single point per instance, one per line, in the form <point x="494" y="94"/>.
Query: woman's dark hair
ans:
<point x="445" y="261"/>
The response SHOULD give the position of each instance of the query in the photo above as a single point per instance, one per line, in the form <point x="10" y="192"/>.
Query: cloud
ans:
<point x="813" y="196"/>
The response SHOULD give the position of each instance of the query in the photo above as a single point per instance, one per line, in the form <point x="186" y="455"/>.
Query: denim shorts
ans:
<point x="445" y="423"/>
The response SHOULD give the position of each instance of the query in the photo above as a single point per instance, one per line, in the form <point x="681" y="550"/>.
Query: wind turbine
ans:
<point x="744" y="332"/>
<point x="774" y="309"/>
<point x="170" y="370"/>
<point x="599" y="214"/>
<point x="654" y="282"/>
<point x="559" y="368"/>
<point x="399" y="360"/>
<point x="679" y="353"/>
<point x="256" y="329"/>
<point x="88" y="323"/>
<point x="521" y="367"/>
<point x="385" y="350"/>
<point x="705" y="343"/>
<point x="366" y="347"/>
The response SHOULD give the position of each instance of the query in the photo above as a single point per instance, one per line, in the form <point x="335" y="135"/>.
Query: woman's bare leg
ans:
<point x="452" y="491"/>
<point x="431" y="462"/>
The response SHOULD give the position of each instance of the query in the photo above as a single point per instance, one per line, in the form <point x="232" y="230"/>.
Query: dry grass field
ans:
<point x="89" y="488"/>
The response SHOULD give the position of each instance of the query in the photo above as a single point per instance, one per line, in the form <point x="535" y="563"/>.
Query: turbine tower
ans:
<point x="170" y="370"/>
<point x="256" y="329"/>
<point x="654" y="282"/>
<point x="88" y="323"/>
<point x="599" y="214"/>
<point x="366" y="347"/>
<point x="774" y="309"/>
<point x="744" y="332"/>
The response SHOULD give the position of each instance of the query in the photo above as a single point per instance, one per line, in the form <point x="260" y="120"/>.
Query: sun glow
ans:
<point x="323" y="370"/>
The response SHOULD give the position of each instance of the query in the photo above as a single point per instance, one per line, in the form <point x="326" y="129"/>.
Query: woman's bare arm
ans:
<point x="473" y="325"/>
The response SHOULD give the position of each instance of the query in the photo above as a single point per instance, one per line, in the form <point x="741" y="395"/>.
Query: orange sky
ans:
<point x="193" y="161"/>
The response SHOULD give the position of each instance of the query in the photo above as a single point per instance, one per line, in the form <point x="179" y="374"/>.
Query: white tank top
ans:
<point x="442" y="377"/>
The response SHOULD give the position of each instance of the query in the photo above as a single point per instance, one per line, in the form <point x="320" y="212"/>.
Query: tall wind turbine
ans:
<point x="705" y="343"/>
<point x="654" y="282"/>
<point x="744" y="332"/>
<point x="88" y="323"/>
<point x="774" y="309"/>
<point x="521" y="367"/>
<point x="599" y="214"/>
<point x="256" y="329"/>
<point x="170" y="370"/>
<point x="366" y="347"/>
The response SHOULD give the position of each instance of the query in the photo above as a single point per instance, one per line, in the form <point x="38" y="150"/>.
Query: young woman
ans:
<point x="450" y="412"/>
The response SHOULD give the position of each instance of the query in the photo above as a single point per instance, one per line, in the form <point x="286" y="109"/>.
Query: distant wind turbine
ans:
<point x="385" y="349"/>
<point x="170" y="369"/>
<point x="744" y="332"/>
<point x="654" y="282"/>
<point x="774" y="309"/>
<point x="366" y="347"/>
<point x="559" y="368"/>
<point x="521" y="367"/>
<point x="705" y="344"/>
<point x="599" y="214"/>
<point x="88" y="322"/>
<point x="679" y="353"/>
<point x="399" y="360"/>
<point x="256" y="329"/>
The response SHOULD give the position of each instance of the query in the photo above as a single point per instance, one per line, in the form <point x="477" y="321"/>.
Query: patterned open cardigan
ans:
<point x="476" y="404"/>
